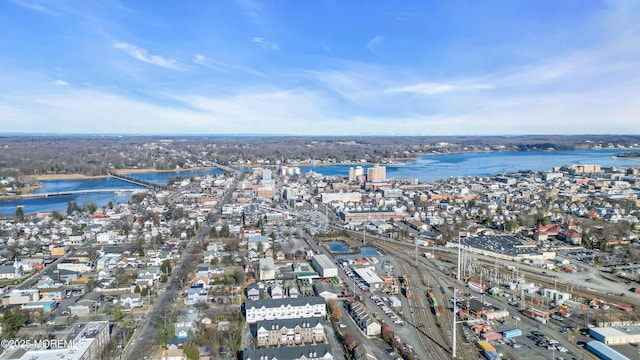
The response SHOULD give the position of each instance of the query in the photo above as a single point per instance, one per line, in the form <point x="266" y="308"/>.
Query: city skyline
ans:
<point x="321" y="68"/>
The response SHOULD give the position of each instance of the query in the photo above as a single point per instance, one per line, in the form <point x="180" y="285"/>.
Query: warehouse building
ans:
<point x="604" y="352"/>
<point x="370" y="277"/>
<point x="324" y="266"/>
<point x="503" y="247"/>
<point x="616" y="336"/>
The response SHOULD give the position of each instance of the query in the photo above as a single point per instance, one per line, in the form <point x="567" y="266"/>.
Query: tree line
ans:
<point x="99" y="155"/>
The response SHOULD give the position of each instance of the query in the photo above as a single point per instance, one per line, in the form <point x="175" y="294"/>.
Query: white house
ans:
<point x="196" y="294"/>
<point x="10" y="272"/>
<point x="276" y="291"/>
<point x="131" y="300"/>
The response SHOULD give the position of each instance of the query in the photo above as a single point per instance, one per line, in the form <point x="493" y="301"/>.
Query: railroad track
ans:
<point x="433" y="332"/>
<point x="548" y="281"/>
<point x="450" y="255"/>
<point x="431" y="340"/>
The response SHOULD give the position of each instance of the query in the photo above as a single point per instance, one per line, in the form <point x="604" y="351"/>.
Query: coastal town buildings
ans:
<point x="256" y="260"/>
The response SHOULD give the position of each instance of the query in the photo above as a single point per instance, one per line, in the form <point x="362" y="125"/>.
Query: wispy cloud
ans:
<point x="251" y="9"/>
<point x="34" y="5"/>
<point x="61" y="83"/>
<point x="374" y="44"/>
<point x="199" y="59"/>
<point x="264" y="43"/>
<point x="223" y="67"/>
<point x="404" y="15"/>
<point x="438" y="88"/>
<point x="312" y="112"/>
<point x="142" y="55"/>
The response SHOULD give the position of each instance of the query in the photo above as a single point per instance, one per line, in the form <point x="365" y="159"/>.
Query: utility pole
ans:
<point x="455" y="308"/>
<point x="481" y="287"/>
<point x="364" y="234"/>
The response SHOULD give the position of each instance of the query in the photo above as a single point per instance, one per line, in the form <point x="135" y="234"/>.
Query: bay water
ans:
<point x="425" y="168"/>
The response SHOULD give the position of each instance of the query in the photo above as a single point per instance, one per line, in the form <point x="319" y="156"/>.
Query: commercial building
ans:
<point x="324" y="266"/>
<point x="616" y="336"/>
<point x="341" y="196"/>
<point x="503" y="247"/>
<point x="558" y="297"/>
<point x="19" y="297"/>
<point x="369" y="276"/>
<point x="82" y="307"/>
<point x="45" y="305"/>
<point x="604" y="352"/>
<point x="72" y="265"/>
<point x="87" y="345"/>
<point x="370" y="215"/>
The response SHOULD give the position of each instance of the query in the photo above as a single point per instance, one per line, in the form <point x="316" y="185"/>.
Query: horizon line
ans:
<point x="26" y="134"/>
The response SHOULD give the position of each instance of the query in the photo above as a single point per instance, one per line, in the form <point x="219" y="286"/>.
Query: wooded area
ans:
<point x="97" y="155"/>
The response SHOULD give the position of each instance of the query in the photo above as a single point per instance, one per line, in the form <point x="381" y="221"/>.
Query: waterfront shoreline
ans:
<point x="76" y="176"/>
<point x="47" y="177"/>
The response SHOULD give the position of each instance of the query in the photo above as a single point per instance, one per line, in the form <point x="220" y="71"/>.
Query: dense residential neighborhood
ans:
<point x="293" y="265"/>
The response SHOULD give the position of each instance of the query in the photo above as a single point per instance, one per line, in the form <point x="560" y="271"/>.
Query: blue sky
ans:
<point x="488" y="67"/>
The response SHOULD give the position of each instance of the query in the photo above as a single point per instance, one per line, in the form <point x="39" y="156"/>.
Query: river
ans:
<point x="425" y="168"/>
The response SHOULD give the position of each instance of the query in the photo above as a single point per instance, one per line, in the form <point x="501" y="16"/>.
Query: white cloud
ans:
<point x="34" y="5"/>
<point x="583" y="89"/>
<point x="374" y="44"/>
<point x="438" y="88"/>
<point x="264" y="43"/>
<point x="223" y="67"/>
<point x="142" y="55"/>
<point x="276" y="111"/>
<point x="199" y="59"/>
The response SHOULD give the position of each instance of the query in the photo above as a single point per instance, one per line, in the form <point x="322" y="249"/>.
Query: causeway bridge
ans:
<point x="224" y="168"/>
<point x="76" y="192"/>
<point x="138" y="182"/>
<point x="131" y="180"/>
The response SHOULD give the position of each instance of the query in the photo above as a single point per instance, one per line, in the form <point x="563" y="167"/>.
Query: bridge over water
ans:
<point x="224" y="168"/>
<point x="76" y="192"/>
<point x="139" y="182"/>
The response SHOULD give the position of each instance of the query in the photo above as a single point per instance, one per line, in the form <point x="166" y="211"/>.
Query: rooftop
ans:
<point x="610" y="331"/>
<point x="368" y="275"/>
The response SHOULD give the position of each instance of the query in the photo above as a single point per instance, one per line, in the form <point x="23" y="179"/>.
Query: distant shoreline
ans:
<point x="384" y="162"/>
<point x="76" y="176"/>
<point x="46" y="177"/>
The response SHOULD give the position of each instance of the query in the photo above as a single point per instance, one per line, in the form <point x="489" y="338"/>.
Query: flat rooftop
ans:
<point x="503" y="244"/>
<point x="621" y="331"/>
<point x="368" y="275"/>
